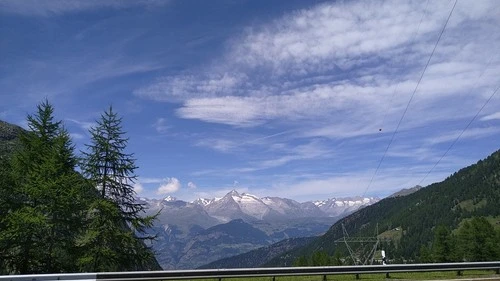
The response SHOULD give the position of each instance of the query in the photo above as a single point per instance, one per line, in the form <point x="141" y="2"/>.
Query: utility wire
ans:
<point x="460" y="135"/>
<point x="404" y="62"/>
<point x="411" y="98"/>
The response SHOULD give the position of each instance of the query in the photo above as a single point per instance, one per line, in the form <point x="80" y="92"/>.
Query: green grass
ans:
<point x="393" y="234"/>
<point x="470" y="206"/>
<point x="495" y="221"/>
<point x="441" y="275"/>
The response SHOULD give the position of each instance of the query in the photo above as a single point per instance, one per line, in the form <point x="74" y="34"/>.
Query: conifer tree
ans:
<point x="45" y="199"/>
<point x="116" y="225"/>
<point x="477" y="240"/>
<point x="441" y="248"/>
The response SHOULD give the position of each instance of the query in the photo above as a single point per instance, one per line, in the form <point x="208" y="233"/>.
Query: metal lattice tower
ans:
<point x="349" y="240"/>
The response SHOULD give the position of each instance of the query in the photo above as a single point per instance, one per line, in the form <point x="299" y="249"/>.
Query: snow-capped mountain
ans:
<point x="235" y="205"/>
<point x="190" y="233"/>
<point x="169" y="199"/>
<point x="336" y="207"/>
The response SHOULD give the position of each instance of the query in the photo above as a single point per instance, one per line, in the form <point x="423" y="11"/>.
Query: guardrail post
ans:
<point x="357" y="276"/>
<point x="324" y="277"/>
<point x="459" y="273"/>
<point x="497" y="271"/>
<point x="387" y="275"/>
<point x="274" y="278"/>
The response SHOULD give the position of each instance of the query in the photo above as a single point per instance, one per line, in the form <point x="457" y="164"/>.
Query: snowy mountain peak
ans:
<point x="203" y="201"/>
<point x="235" y="205"/>
<point x="233" y="193"/>
<point x="169" y="199"/>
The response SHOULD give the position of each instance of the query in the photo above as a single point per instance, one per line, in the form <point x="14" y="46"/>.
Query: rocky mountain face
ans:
<point x="191" y="234"/>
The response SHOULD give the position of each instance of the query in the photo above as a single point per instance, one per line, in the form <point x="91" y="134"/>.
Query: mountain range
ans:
<point x="406" y="222"/>
<point x="191" y="234"/>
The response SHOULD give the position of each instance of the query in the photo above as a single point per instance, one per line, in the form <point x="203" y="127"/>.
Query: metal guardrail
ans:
<point x="256" y="272"/>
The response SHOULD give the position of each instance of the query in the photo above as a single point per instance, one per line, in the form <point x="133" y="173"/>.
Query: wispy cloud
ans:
<point x="319" y="47"/>
<point x="474" y="133"/>
<point x="191" y="185"/>
<point x="161" y="126"/>
<point x="85" y="126"/>
<point x="57" y="7"/>
<point x="493" y="116"/>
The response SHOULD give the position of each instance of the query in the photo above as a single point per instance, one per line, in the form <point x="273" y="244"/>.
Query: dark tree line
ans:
<point x="475" y="240"/>
<point x="55" y="219"/>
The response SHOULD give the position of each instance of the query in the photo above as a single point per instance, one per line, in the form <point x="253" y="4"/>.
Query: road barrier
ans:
<point x="257" y="272"/>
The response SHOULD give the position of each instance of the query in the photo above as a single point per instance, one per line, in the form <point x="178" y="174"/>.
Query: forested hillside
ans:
<point x="54" y="219"/>
<point x="259" y="256"/>
<point x="407" y="224"/>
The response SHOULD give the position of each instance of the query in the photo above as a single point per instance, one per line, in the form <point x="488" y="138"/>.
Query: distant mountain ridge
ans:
<point x="191" y="234"/>
<point x="406" y="191"/>
<point x="250" y="207"/>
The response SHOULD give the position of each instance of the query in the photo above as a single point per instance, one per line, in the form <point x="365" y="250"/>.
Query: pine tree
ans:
<point x="441" y="247"/>
<point x="45" y="199"/>
<point x="116" y="225"/>
<point x="320" y="258"/>
<point x="5" y="206"/>
<point x="477" y="240"/>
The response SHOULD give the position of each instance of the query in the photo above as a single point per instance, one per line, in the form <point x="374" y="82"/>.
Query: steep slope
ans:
<point x="406" y="191"/>
<point x="232" y="238"/>
<point x="260" y="256"/>
<point x="472" y="191"/>
<point x="228" y="208"/>
<point x="9" y="135"/>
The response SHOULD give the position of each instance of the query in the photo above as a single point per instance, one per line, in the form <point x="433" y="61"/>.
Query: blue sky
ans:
<point x="298" y="99"/>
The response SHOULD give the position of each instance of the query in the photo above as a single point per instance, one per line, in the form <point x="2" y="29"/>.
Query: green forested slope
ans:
<point x="471" y="192"/>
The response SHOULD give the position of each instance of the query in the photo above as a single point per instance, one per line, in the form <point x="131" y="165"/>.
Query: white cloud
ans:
<point x="161" y="126"/>
<point x="222" y="145"/>
<point x="308" y="151"/>
<point x="170" y="185"/>
<point x="493" y="116"/>
<point x="77" y="136"/>
<point x="151" y="180"/>
<point x="237" y="111"/>
<point x="294" y="69"/>
<point x="191" y="185"/>
<point x="138" y="187"/>
<point x="83" y="124"/>
<point x="472" y="133"/>
<point x="176" y="88"/>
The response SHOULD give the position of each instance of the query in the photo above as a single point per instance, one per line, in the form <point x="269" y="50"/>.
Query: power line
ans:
<point x="411" y="98"/>
<point x="404" y="62"/>
<point x="460" y="135"/>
